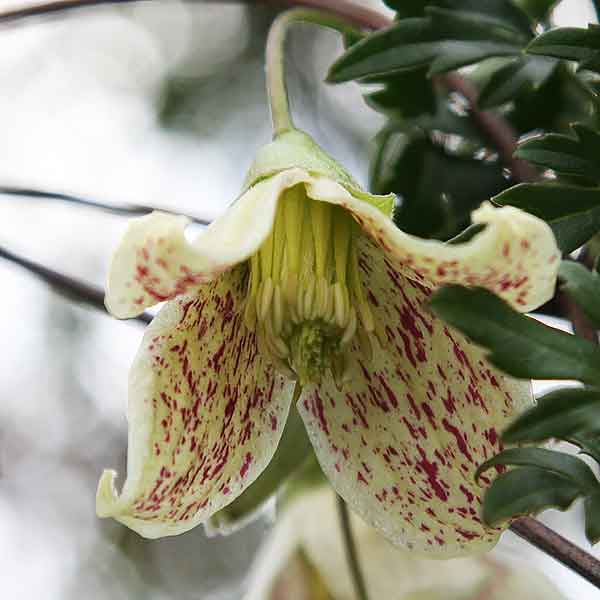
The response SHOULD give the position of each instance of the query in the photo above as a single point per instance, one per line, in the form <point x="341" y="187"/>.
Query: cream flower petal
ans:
<point x="311" y="526"/>
<point x="515" y="256"/>
<point x="154" y="261"/>
<point x="206" y="413"/>
<point x="401" y="443"/>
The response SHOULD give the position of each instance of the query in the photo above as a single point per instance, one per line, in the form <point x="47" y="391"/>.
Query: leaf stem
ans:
<point x="275" y="59"/>
<point x="358" y="579"/>
<point x="561" y="549"/>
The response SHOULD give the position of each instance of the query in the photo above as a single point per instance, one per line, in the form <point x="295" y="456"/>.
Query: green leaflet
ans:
<point x="519" y="345"/>
<point x="558" y="414"/>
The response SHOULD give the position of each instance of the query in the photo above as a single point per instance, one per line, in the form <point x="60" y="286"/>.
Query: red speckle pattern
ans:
<point x="206" y="411"/>
<point x="402" y="442"/>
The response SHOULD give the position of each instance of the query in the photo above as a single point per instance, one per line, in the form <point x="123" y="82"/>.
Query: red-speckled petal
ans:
<point x="154" y="262"/>
<point x="516" y="255"/>
<point x="206" y="413"/>
<point x="402" y="441"/>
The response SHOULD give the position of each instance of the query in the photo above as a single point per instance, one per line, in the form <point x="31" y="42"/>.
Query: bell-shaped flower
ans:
<point x="304" y="558"/>
<point x="307" y="279"/>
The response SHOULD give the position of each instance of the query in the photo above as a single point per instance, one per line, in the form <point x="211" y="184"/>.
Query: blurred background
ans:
<point x="158" y="103"/>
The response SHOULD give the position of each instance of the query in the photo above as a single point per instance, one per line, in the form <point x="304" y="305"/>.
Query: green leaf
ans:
<point x="558" y="414"/>
<point x="510" y="80"/>
<point x="417" y="42"/>
<point x="503" y="10"/>
<point x="589" y="443"/>
<point x="572" y="212"/>
<point x="293" y="451"/>
<point x="579" y="156"/>
<point x="571" y="43"/>
<point x="592" y="517"/>
<point x="406" y="94"/>
<point x="584" y="287"/>
<point x="526" y="491"/>
<point x="435" y="187"/>
<point x="519" y="345"/>
<point x="569" y="467"/>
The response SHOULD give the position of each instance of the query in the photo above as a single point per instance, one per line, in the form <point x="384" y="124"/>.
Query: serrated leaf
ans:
<point x="571" y="43"/>
<point x="510" y="80"/>
<point x="568" y="467"/>
<point x="503" y="10"/>
<point x="413" y="43"/>
<point x="592" y="517"/>
<point x="584" y="287"/>
<point x="526" y="491"/>
<point x="558" y="414"/>
<point x="518" y="345"/>
<point x="579" y="156"/>
<point x="293" y="451"/>
<point x="572" y="212"/>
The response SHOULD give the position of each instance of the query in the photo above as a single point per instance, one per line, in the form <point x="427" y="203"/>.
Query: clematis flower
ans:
<point x="304" y="558"/>
<point x="306" y="279"/>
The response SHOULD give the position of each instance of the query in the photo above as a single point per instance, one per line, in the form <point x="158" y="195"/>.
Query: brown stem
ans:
<point x="561" y="549"/>
<point x="73" y="289"/>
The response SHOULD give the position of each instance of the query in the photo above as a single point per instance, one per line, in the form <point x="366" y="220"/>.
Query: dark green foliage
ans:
<point x="575" y="156"/>
<point x="520" y="346"/>
<point x="526" y="491"/>
<point x="571" y="43"/>
<point x="433" y="185"/>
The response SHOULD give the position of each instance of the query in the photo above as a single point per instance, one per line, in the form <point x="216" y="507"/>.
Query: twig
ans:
<point x="561" y="549"/>
<point x="73" y="289"/>
<point x="129" y="210"/>
<point x="358" y="579"/>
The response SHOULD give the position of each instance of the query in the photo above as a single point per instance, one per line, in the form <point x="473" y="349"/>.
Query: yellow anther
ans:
<point x="305" y="299"/>
<point x="279" y="234"/>
<point x="321" y="213"/>
<point x="277" y="311"/>
<point x="309" y="300"/>
<point x="265" y="296"/>
<point x="293" y="210"/>
<point x="342" y="233"/>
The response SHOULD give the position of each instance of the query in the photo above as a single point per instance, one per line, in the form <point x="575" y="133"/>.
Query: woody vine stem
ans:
<point x="343" y="16"/>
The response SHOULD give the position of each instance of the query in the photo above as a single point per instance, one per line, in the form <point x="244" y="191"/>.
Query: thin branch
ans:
<point x="129" y="210"/>
<point x="358" y="579"/>
<point x="561" y="549"/>
<point x="69" y="287"/>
